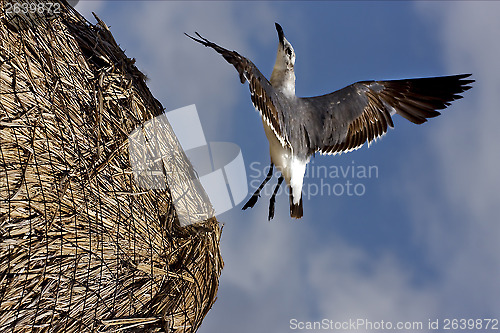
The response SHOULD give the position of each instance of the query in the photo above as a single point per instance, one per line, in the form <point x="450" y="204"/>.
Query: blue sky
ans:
<point x="422" y="241"/>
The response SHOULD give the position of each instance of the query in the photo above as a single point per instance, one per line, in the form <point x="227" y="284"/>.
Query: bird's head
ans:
<point x="286" y="54"/>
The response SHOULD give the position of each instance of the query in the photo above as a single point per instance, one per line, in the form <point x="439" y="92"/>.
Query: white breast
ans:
<point x="291" y="167"/>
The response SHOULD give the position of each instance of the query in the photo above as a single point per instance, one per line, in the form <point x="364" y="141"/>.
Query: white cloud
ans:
<point x="278" y="270"/>
<point x="467" y="142"/>
<point x="261" y="283"/>
<point x="349" y="284"/>
<point x="462" y="227"/>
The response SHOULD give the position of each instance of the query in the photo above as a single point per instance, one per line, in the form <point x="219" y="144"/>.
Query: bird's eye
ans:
<point x="289" y="52"/>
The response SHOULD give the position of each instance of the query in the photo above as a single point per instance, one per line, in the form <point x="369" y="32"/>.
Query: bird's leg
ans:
<point x="273" y="198"/>
<point x="256" y="195"/>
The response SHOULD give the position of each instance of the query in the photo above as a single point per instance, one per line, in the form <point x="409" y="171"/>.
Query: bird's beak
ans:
<point x="281" y="35"/>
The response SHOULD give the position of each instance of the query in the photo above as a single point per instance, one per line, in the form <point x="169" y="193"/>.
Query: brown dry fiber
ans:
<point x="82" y="247"/>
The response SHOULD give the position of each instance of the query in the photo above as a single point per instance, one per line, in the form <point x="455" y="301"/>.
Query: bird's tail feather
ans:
<point x="295" y="209"/>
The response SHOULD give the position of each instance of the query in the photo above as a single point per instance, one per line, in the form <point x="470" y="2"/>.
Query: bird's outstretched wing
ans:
<point x="264" y="97"/>
<point x="344" y="120"/>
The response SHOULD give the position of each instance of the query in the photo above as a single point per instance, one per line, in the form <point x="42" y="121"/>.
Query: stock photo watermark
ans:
<point x="321" y="180"/>
<point x="364" y="324"/>
<point x="208" y="178"/>
<point x="204" y="178"/>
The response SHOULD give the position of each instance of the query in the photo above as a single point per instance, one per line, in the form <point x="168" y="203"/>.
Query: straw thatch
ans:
<point x="82" y="247"/>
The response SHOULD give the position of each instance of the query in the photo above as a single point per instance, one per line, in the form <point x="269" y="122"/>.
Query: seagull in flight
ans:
<point x="342" y="121"/>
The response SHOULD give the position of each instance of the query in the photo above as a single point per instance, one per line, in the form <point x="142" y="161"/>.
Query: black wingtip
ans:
<point x="465" y="83"/>
<point x="195" y="39"/>
<point x="202" y="39"/>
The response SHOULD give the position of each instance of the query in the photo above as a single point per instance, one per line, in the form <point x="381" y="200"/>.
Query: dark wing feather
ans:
<point x="264" y="97"/>
<point x="344" y="120"/>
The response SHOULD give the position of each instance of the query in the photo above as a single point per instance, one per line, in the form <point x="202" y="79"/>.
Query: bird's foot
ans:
<point x="250" y="203"/>
<point x="271" y="208"/>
